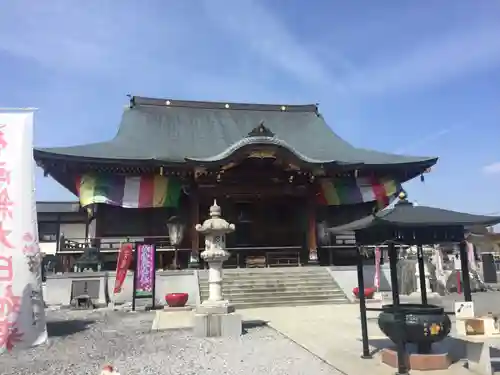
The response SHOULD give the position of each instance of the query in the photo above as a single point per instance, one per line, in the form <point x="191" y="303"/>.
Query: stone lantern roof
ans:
<point x="216" y="224"/>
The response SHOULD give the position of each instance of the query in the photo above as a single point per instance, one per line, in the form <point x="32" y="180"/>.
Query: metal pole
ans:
<point x="398" y="314"/>
<point x="421" y="271"/>
<point x="464" y="262"/>
<point x="362" y="306"/>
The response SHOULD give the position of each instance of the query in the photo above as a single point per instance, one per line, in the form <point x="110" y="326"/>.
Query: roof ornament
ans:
<point x="403" y="199"/>
<point x="261" y="131"/>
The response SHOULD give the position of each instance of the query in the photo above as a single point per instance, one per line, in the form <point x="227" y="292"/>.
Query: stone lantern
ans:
<point x="215" y="316"/>
<point x="215" y="253"/>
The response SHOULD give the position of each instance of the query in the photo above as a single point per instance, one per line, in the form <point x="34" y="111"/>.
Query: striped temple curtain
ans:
<point x="336" y="192"/>
<point x="128" y="191"/>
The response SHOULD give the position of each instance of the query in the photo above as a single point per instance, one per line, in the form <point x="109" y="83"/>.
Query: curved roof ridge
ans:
<point x="259" y="140"/>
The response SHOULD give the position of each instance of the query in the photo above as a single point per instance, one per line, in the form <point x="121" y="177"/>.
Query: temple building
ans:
<point x="278" y="172"/>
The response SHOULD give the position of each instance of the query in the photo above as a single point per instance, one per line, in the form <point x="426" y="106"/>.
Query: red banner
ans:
<point x="122" y="265"/>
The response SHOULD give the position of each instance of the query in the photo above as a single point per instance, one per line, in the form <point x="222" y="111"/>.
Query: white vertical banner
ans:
<point x="22" y="314"/>
<point x="376" y="279"/>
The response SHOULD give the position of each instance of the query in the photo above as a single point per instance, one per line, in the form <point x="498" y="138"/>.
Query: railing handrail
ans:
<point x="114" y="238"/>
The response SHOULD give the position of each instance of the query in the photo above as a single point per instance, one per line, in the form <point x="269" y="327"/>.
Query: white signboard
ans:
<point x="464" y="310"/>
<point x="22" y="316"/>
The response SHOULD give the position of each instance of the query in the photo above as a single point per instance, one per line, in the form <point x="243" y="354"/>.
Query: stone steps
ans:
<point x="255" y="298"/>
<point x="290" y="302"/>
<point x="263" y="282"/>
<point x="272" y="288"/>
<point x="247" y="288"/>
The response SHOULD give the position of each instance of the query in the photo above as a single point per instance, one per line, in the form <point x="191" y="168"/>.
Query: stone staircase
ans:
<point x="264" y="287"/>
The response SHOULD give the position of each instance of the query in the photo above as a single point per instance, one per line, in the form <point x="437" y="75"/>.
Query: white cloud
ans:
<point x="104" y="38"/>
<point x="432" y="62"/>
<point x="97" y="37"/>
<point x="436" y="59"/>
<point x="493" y="168"/>
<point x="253" y="25"/>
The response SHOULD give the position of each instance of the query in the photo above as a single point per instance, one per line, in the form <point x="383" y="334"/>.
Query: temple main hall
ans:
<point x="279" y="173"/>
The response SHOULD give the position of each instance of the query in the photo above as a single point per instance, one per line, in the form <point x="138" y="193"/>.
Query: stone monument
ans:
<point x="432" y="296"/>
<point x="427" y="275"/>
<point x="215" y="316"/>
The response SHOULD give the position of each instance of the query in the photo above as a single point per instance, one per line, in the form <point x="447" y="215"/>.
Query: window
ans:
<point x="48" y="232"/>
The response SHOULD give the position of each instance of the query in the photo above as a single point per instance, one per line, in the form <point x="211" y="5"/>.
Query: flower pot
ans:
<point x="369" y="292"/>
<point x="421" y="324"/>
<point x="176" y="299"/>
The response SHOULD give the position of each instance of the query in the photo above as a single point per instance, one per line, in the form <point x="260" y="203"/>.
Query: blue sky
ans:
<point x="416" y="77"/>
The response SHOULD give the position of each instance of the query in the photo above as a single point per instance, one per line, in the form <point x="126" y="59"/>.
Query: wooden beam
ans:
<point x="215" y="190"/>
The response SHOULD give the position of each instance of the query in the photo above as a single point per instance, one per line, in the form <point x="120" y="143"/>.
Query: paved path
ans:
<point x="333" y="333"/>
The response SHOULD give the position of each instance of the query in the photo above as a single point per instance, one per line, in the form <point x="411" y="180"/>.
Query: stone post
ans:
<point x="215" y="316"/>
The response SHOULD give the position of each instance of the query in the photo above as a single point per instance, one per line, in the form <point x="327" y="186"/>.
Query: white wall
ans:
<point x="73" y="231"/>
<point x="49" y="248"/>
<point x="58" y="287"/>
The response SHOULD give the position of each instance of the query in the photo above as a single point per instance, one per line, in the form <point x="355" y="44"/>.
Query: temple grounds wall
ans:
<point x="57" y="289"/>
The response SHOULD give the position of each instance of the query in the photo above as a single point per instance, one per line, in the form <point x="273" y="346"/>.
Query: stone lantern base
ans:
<point x="217" y="320"/>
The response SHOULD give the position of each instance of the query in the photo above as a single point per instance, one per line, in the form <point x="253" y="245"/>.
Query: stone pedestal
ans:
<point x="414" y="361"/>
<point x="217" y="321"/>
<point x="215" y="317"/>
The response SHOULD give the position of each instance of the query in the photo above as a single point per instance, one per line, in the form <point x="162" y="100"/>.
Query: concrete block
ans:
<point x="57" y="291"/>
<point x="172" y="320"/>
<point x="177" y="309"/>
<point x="486" y="326"/>
<point x="206" y="308"/>
<point x="217" y="325"/>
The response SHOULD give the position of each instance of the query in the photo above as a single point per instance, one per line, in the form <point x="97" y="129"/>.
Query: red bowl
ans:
<point x="369" y="292"/>
<point x="176" y="299"/>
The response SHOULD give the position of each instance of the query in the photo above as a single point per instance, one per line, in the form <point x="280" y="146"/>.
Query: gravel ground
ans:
<point x="81" y="342"/>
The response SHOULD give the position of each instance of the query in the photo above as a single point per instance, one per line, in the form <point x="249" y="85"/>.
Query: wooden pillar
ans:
<point x="194" y="218"/>
<point x="312" y="244"/>
<point x="162" y="261"/>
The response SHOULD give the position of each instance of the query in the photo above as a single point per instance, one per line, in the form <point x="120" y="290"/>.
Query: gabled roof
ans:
<point x="162" y="130"/>
<point x="405" y="214"/>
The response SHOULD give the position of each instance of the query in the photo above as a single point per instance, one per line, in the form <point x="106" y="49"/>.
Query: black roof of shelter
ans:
<point x="170" y="132"/>
<point x="410" y="224"/>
